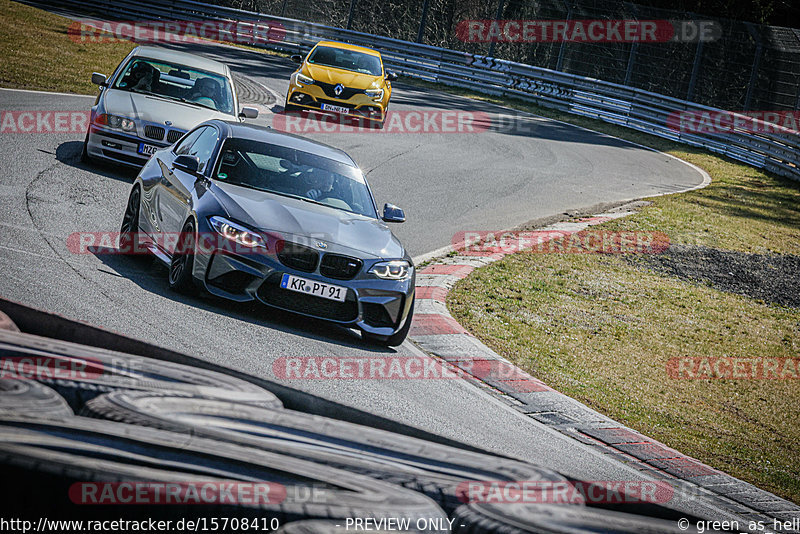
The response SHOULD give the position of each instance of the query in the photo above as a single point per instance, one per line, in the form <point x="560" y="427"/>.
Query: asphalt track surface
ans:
<point x="446" y="182"/>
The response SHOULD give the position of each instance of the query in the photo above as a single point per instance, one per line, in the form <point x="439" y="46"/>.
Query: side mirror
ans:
<point x="187" y="163"/>
<point x="248" y="113"/>
<point x="297" y="58"/>
<point x="391" y="75"/>
<point x="99" y="79"/>
<point x="393" y="214"/>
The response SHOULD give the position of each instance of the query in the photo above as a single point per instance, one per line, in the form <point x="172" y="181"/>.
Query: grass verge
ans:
<point x="39" y="54"/>
<point x="601" y="328"/>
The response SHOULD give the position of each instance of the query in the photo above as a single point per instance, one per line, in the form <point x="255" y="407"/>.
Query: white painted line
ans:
<point x="46" y="92"/>
<point x="54" y="258"/>
<point x="29" y="229"/>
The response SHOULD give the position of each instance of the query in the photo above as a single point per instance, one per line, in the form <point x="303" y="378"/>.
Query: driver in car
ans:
<point x="141" y="77"/>
<point x="320" y="184"/>
<point x="205" y="88"/>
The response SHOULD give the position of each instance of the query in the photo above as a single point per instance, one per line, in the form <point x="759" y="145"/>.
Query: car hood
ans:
<point x="158" y="110"/>
<point x="302" y="221"/>
<point x="347" y="78"/>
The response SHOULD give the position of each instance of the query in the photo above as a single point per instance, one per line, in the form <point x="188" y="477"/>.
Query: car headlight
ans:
<point x="303" y="79"/>
<point x="236" y="232"/>
<point x="392" y="270"/>
<point x="116" y="122"/>
<point x="375" y="94"/>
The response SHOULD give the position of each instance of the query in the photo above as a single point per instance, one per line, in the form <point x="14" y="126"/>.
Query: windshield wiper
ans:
<point x="172" y="98"/>
<point x="192" y="102"/>
<point x="140" y="91"/>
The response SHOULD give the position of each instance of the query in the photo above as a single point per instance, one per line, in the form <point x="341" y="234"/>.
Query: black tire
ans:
<point x="84" y="450"/>
<point x="30" y="398"/>
<point x="85" y="157"/>
<point x="395" y="339"/>
<point x="430" y="468"/>
<point x="105" y="371"/>
<point x="181" y="277"/>
<point x="554" y="519"/>
<point x="291" y="108"/>
<point x="129" y="230"/>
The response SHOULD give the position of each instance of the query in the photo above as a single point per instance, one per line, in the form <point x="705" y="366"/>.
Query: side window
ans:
<point x="187" y="142"/>
<point x="204" y="146"/>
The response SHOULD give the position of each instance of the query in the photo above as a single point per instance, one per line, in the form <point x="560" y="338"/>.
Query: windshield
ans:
<point x="347" y="60"/>
<point x="290" y="172"/>
<point x="177" y="82"/>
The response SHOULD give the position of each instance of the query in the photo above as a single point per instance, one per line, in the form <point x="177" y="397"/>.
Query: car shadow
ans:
<point x="69" y="153"/>
<point x="151" y="275"/>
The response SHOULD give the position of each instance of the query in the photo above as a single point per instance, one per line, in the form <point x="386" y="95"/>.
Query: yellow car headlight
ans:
<point x="375" y="94"/>
<point x="303" y="79"/>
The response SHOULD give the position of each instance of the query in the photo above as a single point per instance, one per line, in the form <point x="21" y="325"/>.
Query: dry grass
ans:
<point x="601" y="329"/>
<point x="39" y="54"/>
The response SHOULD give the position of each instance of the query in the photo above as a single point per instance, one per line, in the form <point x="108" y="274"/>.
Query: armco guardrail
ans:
<point x="641" y="110"/>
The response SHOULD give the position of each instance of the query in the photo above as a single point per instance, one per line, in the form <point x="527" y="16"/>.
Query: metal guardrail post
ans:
<point x="631" y="62"/>
<point x="423" y="19"/>
<point x="748" y="99"/>
<point x="350" y="14"/>
<point x="698" y="58"/>
<point x="632" y="53"/>
<point x="498" y="16"/>
<point x="561" y="50"/>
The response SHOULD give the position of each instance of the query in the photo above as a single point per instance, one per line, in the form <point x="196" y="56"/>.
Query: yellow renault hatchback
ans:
<point x="341" y="78"/>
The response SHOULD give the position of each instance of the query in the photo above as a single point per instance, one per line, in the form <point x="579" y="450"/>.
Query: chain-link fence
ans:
<point x="749" y="67"/>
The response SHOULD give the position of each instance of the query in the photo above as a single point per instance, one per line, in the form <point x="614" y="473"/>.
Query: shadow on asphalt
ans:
<point x="151" y="275"/>
<point x="69" y="153"/>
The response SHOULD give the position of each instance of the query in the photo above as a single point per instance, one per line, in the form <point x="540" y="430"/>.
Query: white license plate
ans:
<point x="337" y="109"/>
<point x="147" y="150"/>
<point x="311" y="287"/>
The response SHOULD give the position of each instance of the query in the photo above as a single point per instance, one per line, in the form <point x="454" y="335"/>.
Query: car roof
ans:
<point x="263" y="134"/>
<point x="347" y="46"/>
<point x="181" y="58"/>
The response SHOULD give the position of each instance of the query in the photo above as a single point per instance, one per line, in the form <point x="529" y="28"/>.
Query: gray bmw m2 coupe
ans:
<point x="245" y="212"/>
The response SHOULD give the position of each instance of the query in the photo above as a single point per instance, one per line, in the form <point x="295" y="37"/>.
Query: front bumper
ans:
<point x="118" y="147"/>
<point x="372" y="304"/>
<point x="359" y="105"/>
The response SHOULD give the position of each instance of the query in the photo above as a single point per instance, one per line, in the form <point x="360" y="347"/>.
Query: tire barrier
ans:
<point x="79" y="372"/>
<point x="31" y="398"/>
<point x="433" y="469"/>
<point x="150" y="430"/>
<point x="77" y="453"/>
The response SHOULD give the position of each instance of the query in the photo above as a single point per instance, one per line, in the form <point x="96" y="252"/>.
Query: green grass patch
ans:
<point x="39" y="54"/>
